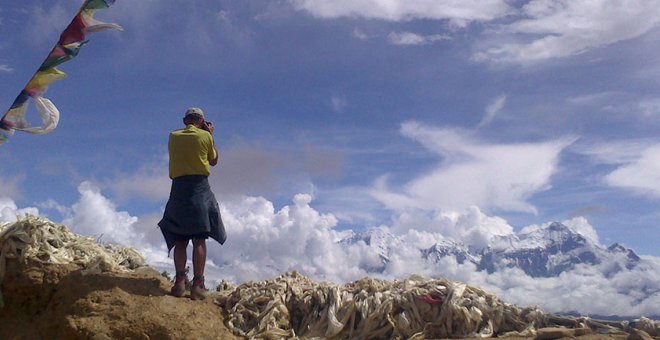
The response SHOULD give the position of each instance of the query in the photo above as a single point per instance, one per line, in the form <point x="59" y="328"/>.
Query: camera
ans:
<point x="207" y="126"/>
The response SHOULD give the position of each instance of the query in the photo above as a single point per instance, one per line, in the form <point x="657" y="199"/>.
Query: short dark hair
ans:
<point x="193" y="117"/>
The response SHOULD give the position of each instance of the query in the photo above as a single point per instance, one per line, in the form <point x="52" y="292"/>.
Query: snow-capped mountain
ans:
<point x="540" y="252"/>
<point x="449" y="248"/>
<point x="377" y="240"/>
<point x="552" y="250"/>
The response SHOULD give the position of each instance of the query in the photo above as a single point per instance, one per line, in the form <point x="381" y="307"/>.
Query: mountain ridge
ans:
<point x="542" y="252"/>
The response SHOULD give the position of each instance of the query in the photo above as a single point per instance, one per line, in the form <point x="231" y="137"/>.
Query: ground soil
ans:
<point x="46" y="301"/>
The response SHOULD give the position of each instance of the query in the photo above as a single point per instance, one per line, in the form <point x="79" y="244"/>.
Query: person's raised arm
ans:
<point x="208" y="126"/>
<point x="214" y="161"/>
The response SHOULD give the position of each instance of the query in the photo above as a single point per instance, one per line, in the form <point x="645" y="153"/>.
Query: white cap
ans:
<point x="194" y="111"/>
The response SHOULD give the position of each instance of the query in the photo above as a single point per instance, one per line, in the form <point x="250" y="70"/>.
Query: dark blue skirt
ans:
<point x="191" y="212"/>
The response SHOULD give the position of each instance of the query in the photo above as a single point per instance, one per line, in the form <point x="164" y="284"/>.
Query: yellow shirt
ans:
<point x="190" y="151"/>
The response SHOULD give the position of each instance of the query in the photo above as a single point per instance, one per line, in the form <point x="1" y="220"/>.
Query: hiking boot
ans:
<point x="197" y="291"/>
<point x="179" y="287"/>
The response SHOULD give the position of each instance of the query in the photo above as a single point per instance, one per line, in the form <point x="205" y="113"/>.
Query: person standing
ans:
<point x="192" y="212"/>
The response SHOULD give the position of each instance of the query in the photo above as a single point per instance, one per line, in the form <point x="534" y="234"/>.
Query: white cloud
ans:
<point x="536" y="31"/>
<point x="641" y="175"/>
<point x="461" y="12"/>
<point x="581" y="290"/>
<point x="470" y="226"/>
<point x="409" y="38"/>
<point x="599" y="98"/>
<point x="492" y="110"/>
<point x="9" y="211"/>
<point x="95" y="215"/>
<point x="583" y="227"/>
<point x="617" y="152"/>
<point x="51" y="204"/>
<point x="637" y="165"/>
<point x="357" y="33"/>
<point x="490" y="176"/>
<point x="553" y="29"/>
<point x="5" y="68"/>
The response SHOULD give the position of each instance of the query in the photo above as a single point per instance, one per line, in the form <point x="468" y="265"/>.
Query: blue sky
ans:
<point x="385" y="113"/>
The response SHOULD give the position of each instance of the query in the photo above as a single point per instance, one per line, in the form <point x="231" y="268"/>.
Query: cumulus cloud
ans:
<point x="472" y="172"/>
<point x="409" y="38"/>
<point x="95" y="215"/>
<point x="264" y="242"/>
<point x="9" y="211"/>
<point x="461" y="12"/>
<point x="552" y="29"/>
<point x="471" y="226"/>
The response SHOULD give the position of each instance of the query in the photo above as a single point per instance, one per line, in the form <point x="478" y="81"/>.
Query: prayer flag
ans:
<point x="68" y="46"/>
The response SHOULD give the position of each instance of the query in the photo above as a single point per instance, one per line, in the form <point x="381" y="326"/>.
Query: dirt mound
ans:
<point x="52" y="301"/>
<point x="55" y="284"/>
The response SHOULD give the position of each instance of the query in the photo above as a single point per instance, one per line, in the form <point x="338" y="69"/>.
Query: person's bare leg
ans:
<point x="180" y="259"/>
<point x="180" y="255"/>
<point x="199" y="262"/>
<point x="199" y="256"/>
